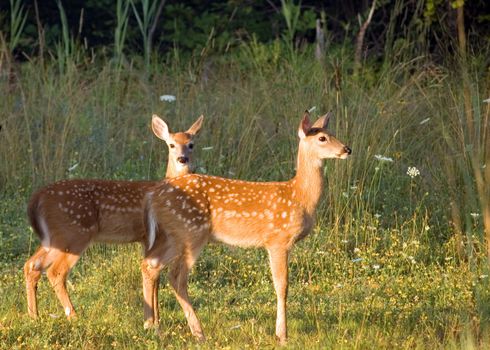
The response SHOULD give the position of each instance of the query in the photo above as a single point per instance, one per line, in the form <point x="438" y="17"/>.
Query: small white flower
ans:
<point x="424" y="121"/>
<point x="413" y="172"/>
<point x="412" y="259"/>
<point x="376" y="169"/>
<point x="73" y="167"/>
<point x="475" y="215"/>
<point x="377" y="216"/>
<point x="376" y="267"/>
<point x="427" y="227"/>
<point x="168" y="98"/>
<point x="383" y="158"/>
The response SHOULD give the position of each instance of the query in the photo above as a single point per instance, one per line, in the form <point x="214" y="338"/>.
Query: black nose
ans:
<point x="347" y="150"/>
<point x="182" y="160"/>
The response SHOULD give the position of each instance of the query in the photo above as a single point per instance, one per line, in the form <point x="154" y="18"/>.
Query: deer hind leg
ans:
<point x="279" y="267"/>
<point x="32" y="273"/>
<point x="150" y="271"/>
<point x="178" y="276"/>
<point x="57" y="274"/>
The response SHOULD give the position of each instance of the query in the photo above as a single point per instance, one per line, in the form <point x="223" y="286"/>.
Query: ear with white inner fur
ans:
<point x="194" y="129"/>
<point x="322" y="122"/>
<point x="160" y="128"/>
<point x="304" y="126"/>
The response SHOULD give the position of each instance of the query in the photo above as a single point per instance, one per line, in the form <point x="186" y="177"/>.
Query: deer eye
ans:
<point x="191" y="145"/>
<point x="322" y="139"/>
<point x="172" y="145"/>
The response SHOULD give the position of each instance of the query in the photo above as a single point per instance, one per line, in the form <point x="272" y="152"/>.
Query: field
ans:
<point x="397" y="259"/>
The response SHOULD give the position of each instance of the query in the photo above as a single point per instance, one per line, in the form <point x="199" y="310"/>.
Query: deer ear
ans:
<point x="304" y="126"/>
<point x="194" y="129"/>
<point x="322" y="122"/>
<point x="160" y="128"/>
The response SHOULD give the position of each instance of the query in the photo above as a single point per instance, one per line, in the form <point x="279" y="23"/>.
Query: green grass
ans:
<point x="383" y="267"/>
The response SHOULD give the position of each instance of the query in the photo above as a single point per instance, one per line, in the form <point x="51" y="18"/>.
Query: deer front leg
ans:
<point x="279" y="267"/>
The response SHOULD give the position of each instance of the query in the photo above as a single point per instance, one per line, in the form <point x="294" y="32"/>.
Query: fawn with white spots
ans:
<point x="69" y="215"/>
<point x="184" y="213"/>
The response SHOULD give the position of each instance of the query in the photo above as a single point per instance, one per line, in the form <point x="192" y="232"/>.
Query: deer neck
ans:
<point x="174" y="169"/>
<point x="308" y="182"/>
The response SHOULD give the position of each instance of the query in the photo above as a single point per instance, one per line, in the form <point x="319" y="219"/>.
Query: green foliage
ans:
<point x="18" y="18"/>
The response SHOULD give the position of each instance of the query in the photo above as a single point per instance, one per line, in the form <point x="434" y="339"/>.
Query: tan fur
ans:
<point x="69" y="215"/>
<point x="191" y="210"/>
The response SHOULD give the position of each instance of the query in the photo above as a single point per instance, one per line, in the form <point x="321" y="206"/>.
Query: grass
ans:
<point x="384" y="267"/>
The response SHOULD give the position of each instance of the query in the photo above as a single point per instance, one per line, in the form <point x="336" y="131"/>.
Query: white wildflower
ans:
<point x="475" y="215"/>
<point x="168" y="98"/>
<point x="73" y="167"/>
<point x="377" y="216"/>
<point x="383" y="158"/>
<point x="413" y="172"/>
<point x="376" y="267"/>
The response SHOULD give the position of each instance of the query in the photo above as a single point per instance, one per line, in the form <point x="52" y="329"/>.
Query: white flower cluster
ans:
<point x="383" y="158"/>
<point x="413" y="172"/>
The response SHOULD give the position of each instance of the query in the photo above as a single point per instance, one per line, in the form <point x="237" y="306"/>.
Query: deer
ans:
<point x="69" y="215"/>
<point x="184" y="213"/>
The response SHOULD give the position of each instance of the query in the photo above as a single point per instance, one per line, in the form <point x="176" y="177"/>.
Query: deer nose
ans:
<point x="182" y="160"/>
<point x="347" y="150"/>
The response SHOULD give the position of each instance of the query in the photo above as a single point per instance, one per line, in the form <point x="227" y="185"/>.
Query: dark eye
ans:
<point x="322" y="139"/>
<point x="191" y="145"/>
<point x="172" y="145"/>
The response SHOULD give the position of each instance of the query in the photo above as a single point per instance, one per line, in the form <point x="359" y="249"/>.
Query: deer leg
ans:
<point x="156" y="310"/>
<point x="279" y="267"/>
<point x="178" y="278"/>
<point x="57" y="274"/>
<point x="32" y="273"/>
<point x="151" y="276"/>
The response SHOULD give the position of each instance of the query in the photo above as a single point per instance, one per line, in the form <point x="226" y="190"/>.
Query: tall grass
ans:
<point x="382" y="269"/>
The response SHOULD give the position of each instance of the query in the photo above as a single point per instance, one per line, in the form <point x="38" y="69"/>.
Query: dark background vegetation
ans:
<point x="190" y="26"/>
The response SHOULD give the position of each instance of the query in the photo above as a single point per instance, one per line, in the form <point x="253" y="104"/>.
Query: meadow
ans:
<point x="398" y="256"/>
